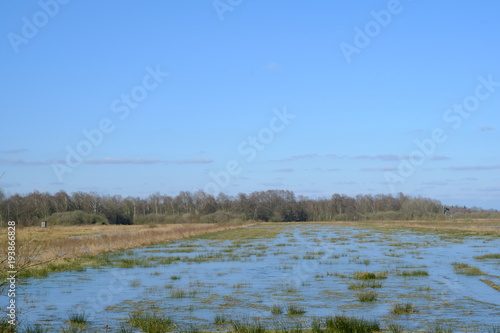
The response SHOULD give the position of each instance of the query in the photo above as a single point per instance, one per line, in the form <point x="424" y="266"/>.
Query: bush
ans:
<point x="76" y="217"/>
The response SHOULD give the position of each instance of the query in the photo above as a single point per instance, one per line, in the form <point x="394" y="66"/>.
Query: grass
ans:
<point x="35" y="329"/>
<point x="78" y="318"/>
<point x="221" y="319"/>
<point x="150" y="322"/>
<point x="245" y="326"/>
<point x="276" y="309"/>
<point x="488" y="256"/>
<point x="364" y="284"/>
<point x="465" y="269"/>
<point x="439" y="328"/>
<point x="367" y="296"/>
<point x="295" y="310"/>
<point x="491" y="284"/>
<point x="369" y="275"/>
<point x="406" y="308"/>
<point x="344" y="324"/>
<point x="393" y="328"/>
<point x="418" y="272"/>
<point x="181" y="293"/>
<point x="42" y="251"/>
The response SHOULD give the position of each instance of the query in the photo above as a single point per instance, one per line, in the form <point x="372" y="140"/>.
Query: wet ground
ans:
<point x="247" y="273"/>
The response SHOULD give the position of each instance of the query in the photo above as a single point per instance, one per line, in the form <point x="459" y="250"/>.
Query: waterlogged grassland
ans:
<point x="288" y="276"/>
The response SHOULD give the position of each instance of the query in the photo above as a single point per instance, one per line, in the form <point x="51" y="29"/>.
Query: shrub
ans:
<point x="76" y="217"/>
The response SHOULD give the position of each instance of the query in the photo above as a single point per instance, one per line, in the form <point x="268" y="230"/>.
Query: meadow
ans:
<point x="273" y="277"/>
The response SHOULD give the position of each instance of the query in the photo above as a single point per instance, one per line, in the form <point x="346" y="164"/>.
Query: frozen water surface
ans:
<point x="308" y="265"/>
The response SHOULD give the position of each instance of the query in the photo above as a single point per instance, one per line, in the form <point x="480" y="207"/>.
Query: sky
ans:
<point x="235" y="96"/>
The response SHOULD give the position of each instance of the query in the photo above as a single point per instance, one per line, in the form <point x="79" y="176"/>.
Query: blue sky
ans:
<point x="240" y="96"/>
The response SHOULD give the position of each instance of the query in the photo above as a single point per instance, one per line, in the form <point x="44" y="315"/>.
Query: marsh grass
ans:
<point x="406" y="308"/>
<point x="37" y="328"/>
<point x="488" y="256"/>
<point x="491" y="284"/>
<point x="247" y="326"/>
<point x="78" y="318"/>
<point x="364" y="284"/>
<point x="43" y="251"/>
<point x="150" y="322"/>
<point x="367" y="296"/>
<point x="344" y="324"/>
<point x="418" y="272"/>
<point x="276" y="309"/>
<point x="295" y="310"/>
<point x="221" y="319"/>
<point x="465" y="269"/>
<point x="439" y="328"/>
<point x="393" y="328"/>
<point x="181" y="293"/>
<point x="369" y="275"/>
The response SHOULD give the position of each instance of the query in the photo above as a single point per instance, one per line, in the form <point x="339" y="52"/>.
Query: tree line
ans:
<point x="62" y="208"/>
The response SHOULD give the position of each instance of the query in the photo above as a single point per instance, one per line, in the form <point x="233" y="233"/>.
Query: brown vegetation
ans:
<point x="56" y="245"/>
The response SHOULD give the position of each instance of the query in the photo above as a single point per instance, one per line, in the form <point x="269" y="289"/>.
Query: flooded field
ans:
<point x="282" y="273"/>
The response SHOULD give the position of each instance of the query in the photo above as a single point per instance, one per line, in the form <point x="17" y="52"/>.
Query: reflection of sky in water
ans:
<point x="245" y="281"/>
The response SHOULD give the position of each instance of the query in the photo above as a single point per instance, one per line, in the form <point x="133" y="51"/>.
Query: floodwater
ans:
<point x="307" y="265"/>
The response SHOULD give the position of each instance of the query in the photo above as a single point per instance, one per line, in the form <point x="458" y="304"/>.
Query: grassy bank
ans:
<point x="40" y="251"/>
<point x="451" y="228"/>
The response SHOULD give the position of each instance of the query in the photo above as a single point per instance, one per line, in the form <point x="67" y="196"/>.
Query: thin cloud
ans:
<point x="195" y="161"/>
<point x="384" y="168"/>
<point x="436" y="183"/>
<point x="474" y="168"/>
<point x="345" y="183"/>
<point x="486" y="128"/>
<point x="326" y="170"/>
<point x="296" y="158"/>
<point x="139" y="161"/>
<point x="439" y="158"/>
<point x="5" y="184"/>
<point x="273" y="67"/>
<point x="489" y="189"/>
<point x="273" y="184"/>
<point x="14" y="151"/>
<point x="109" y="160"/>
<point x="20" y="161"/>
<point x="394" y="157"/>
<point x="284" y="170"/>
<point x="382" y="157"/>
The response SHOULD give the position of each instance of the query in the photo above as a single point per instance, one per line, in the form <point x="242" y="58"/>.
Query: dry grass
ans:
<point x="57" y="245"/>
<point x="491" y="284"/>
<point x="490" y="227"/>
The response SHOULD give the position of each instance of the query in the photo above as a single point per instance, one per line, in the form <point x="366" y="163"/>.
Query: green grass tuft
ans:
<point x="488" y="256"/>
<point x="343" y="324"/>
<point x="439" y="328"/>
<point x="242" y="326"/>
<point x="465" y="269"/>
<point x="276" y="309"/>
<point x="150" y="322"/>
<point x="393" y="328"/>
<point x="369" y="275"/>
<point x="418" y="272"/>
<point x="294" y="310"/>
<point x="406" y="308"/>
<point x="78" y="318"/>
<point x="221" y="319"/>
<point x="367" y="296"/>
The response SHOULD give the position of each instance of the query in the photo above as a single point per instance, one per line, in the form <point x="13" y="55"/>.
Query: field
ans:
<point x="282" y="277"/>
